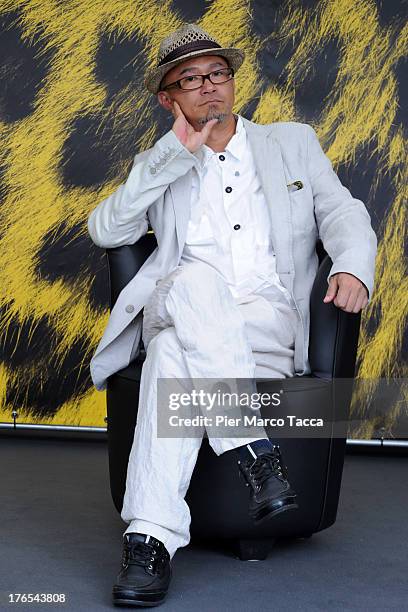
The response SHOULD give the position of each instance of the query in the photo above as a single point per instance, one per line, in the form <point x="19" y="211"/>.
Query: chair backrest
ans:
<point x="333" y="337"/>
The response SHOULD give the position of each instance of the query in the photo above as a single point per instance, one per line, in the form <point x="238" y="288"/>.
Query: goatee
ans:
<point x="212" y="114"/>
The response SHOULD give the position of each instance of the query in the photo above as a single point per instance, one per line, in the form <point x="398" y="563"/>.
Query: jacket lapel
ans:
<point x="181" y="195"/>
<point x="270" y="167"/>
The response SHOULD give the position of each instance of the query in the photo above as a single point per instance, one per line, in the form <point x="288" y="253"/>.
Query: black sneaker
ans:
<point x="270" y="491"/>
<point x="145" y="574"/>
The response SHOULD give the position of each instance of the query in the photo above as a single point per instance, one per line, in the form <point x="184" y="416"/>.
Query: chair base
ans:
<point x="248" y="549"/>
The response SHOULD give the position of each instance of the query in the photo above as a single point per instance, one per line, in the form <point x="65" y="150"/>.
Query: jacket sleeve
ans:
<point x="343" y="221"/>
<point x="121" y="218"/>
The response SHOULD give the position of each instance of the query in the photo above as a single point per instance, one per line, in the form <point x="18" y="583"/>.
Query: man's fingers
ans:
<point x="331" y="290"/>
<point x="360" y="304"/>
<point x="350" y="296"/>
<point x="207" y="128"/>
<point x="351" y="301"/>
<point x="177" y="109"/>
<point x="343" y="296"/>
<point x="210" y="123"/>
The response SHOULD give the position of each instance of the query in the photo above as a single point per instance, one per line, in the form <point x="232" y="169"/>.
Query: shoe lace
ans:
<point x="139" y="553"/>
<point x="267" y="464"/>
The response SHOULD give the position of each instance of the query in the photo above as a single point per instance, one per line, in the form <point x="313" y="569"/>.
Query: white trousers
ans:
<point x="193" y="327"/>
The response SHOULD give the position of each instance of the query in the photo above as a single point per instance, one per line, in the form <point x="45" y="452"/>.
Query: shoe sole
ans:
<point x="146" y="600"/>
<point x="271" y="510"/>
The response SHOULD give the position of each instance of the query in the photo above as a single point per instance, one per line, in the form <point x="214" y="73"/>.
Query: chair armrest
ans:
<point x="333" y="337"/>
<point x="125" y="261"/>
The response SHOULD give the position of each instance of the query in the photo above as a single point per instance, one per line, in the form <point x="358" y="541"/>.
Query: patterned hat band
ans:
<point x="195" y="45"/>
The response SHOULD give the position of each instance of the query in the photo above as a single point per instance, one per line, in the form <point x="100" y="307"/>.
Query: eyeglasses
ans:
<point x="195" y="81"/>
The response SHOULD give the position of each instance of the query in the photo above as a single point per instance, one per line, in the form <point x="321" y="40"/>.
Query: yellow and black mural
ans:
<point x="74" y="113"/>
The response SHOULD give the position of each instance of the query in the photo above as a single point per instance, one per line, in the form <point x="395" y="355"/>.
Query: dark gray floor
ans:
<point x="61" y="534"/>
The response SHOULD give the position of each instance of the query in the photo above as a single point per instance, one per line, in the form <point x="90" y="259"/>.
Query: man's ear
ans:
<point x="164" y="100"/>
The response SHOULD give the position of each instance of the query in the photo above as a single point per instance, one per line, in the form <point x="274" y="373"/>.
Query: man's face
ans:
<point x="208" y="101"/>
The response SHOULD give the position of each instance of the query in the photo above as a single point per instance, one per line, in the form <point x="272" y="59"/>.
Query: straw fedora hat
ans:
<point x="188" y="41"/>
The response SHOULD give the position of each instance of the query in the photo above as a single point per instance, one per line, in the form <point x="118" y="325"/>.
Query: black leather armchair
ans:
<point x="217" y="498"/>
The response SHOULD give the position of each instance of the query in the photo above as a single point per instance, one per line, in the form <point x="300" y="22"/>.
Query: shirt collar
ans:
<point x="235" y="146"/>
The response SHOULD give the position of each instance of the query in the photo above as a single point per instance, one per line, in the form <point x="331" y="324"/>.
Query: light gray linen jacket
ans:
<point x="159" y="186"/>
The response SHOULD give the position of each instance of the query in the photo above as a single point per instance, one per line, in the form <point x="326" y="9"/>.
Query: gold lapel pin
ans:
<point x="295" y="186"/>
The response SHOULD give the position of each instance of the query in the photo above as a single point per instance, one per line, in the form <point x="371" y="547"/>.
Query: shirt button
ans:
<point x="130" y="308"/>
<point x="237" y="226"/>
<point x="228" y="189"/>
<point x="221" y="157"/>
<point x="236" y="173"/>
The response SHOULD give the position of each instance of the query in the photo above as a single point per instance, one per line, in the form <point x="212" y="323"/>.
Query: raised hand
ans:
<point x="185" y="132"/>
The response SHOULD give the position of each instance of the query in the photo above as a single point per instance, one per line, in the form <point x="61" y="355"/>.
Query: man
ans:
<point x="236" y="208"/>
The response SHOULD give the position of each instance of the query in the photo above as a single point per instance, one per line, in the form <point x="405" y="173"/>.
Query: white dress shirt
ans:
<point x="229" y="226"/>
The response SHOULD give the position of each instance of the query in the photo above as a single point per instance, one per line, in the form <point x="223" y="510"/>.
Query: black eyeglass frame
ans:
<point x="204" y="76"/>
